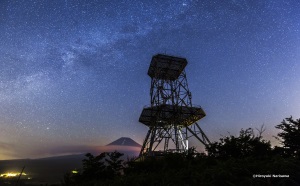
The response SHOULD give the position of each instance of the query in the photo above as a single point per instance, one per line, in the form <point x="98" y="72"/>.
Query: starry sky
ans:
<point x="73" y="73"/>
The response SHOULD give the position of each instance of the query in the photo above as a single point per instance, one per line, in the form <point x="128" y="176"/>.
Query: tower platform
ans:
<point x="166" y="115"/>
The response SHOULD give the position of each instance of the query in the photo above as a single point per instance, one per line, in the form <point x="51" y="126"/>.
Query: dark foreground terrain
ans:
<point x="45" y="170"/>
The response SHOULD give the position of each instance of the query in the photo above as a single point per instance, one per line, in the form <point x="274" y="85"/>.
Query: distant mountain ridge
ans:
<point x="125" y="141"/>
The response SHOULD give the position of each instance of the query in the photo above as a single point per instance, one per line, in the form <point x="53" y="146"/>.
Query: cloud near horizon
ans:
<point x="64" y="150"/>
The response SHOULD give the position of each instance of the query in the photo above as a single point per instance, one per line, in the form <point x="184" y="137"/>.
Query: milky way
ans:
<point x="74" y="73"/>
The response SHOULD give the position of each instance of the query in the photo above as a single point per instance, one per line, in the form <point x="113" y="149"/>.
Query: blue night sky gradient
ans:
<point x="74" y="73"/>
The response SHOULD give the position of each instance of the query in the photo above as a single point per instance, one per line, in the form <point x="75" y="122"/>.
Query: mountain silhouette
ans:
<point x="124" y="141"/>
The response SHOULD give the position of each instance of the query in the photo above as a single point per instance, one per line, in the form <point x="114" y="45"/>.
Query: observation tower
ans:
<point x="171" y="117"/>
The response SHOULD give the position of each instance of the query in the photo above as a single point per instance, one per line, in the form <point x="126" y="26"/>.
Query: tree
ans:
<point x="246" y="144"/>
<point x="114" y="163"/>
<point x="93" y="167"/>
<point x="290" y="136"/>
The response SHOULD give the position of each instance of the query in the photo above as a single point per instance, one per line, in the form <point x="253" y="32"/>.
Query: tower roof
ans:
<point x="166" y="67"/>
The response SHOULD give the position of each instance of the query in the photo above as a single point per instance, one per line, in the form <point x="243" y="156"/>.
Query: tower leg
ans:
<point x="145" y="143"/>
<point x="202" y="138"/>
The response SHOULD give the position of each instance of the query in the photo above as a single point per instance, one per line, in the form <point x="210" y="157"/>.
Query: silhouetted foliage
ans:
<point x="114" y="163"/>
<point x="246" y="144"/>
<point x="101" y="168"/>
<point x="290" y="136"/>
<point x="93" y="167"/>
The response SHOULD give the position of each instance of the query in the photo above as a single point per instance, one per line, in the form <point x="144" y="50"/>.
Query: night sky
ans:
<point x="73" y="74"/>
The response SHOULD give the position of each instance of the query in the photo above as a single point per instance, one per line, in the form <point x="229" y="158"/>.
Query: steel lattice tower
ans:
<point x="171" y="117"/>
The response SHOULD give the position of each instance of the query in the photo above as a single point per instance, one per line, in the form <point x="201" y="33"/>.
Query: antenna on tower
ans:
<point x="171" y="117"/>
